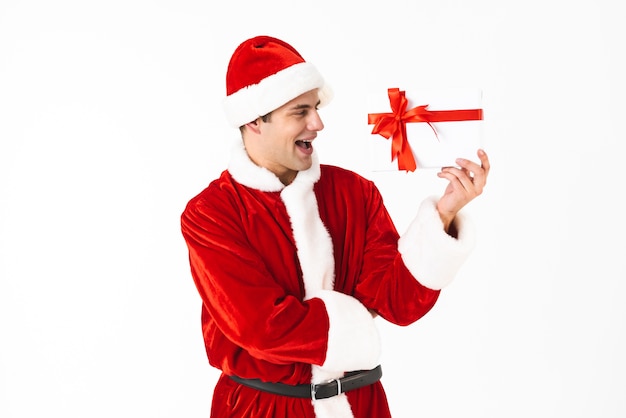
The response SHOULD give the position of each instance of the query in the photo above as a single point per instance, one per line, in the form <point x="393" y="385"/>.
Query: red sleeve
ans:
<point x="385" y="284"/>
<point x="244" y="300"/>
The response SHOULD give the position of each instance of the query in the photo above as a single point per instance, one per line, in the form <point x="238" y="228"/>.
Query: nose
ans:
<point x="315" y="121"/>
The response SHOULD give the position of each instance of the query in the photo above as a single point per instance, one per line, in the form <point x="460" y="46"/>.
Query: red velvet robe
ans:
<point x="286" y="297"/>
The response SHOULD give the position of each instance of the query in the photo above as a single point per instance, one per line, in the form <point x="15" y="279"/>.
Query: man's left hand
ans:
<point x="466" y="182"/>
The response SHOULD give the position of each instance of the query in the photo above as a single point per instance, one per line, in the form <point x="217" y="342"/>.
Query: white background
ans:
<point x="110" y="121"/>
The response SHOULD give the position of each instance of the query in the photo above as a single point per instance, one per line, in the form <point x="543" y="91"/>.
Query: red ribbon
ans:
<point x="393" y="125"/>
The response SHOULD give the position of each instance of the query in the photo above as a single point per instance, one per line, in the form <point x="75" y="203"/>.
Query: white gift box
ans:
<point x="456" y="139"/>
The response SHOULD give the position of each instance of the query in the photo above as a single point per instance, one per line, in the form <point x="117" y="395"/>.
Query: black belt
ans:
<point x="351" y="381"/>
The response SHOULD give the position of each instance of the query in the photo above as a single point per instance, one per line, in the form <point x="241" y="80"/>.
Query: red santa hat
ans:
<point x="263" y="74"/>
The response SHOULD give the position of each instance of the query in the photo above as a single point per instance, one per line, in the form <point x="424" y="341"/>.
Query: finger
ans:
<point x="472" y="165"/>
<point x="484" y="160"/>
<point x="458" y="178"/>
<point x="476" y="176"/>
<point x="468" y="165"/>
<point x="480" y="172"/>
<point x="469" y="168"/>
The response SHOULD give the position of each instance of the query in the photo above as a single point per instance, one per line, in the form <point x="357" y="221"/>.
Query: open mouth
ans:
<point x="304" y="144"/>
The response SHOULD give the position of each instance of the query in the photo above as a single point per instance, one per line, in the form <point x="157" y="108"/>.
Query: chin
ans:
<point x="305" y="165"/>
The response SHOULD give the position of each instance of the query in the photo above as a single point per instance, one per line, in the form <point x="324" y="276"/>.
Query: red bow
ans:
<point x="393" y="125"/>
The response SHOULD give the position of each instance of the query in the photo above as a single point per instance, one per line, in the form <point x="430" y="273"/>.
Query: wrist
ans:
<point x="447" y="219"/>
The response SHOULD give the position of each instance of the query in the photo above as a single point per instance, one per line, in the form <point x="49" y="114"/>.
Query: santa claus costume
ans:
<point x="289" y="275"/>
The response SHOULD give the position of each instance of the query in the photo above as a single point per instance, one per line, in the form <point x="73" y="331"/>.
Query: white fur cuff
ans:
<point x="430" y="254"/>
<point x="353" y="339"/>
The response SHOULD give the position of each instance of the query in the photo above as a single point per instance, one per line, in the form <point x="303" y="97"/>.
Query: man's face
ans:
<point x="284" y="144"/>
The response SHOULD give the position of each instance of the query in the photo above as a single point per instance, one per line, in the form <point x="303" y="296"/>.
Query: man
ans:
<point x="293" y="259"/>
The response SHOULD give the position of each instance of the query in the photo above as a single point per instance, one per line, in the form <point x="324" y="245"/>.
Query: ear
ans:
<point x="254" y="126"/>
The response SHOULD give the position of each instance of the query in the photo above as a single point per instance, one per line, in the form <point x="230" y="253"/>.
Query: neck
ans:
<point x="251" y="174"/>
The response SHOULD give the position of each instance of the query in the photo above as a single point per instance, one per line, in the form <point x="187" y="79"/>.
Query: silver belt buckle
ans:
<point x="314" y="388"/>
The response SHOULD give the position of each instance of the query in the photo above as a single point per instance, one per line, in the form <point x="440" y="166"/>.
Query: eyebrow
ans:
<point x="305" y="106"/>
